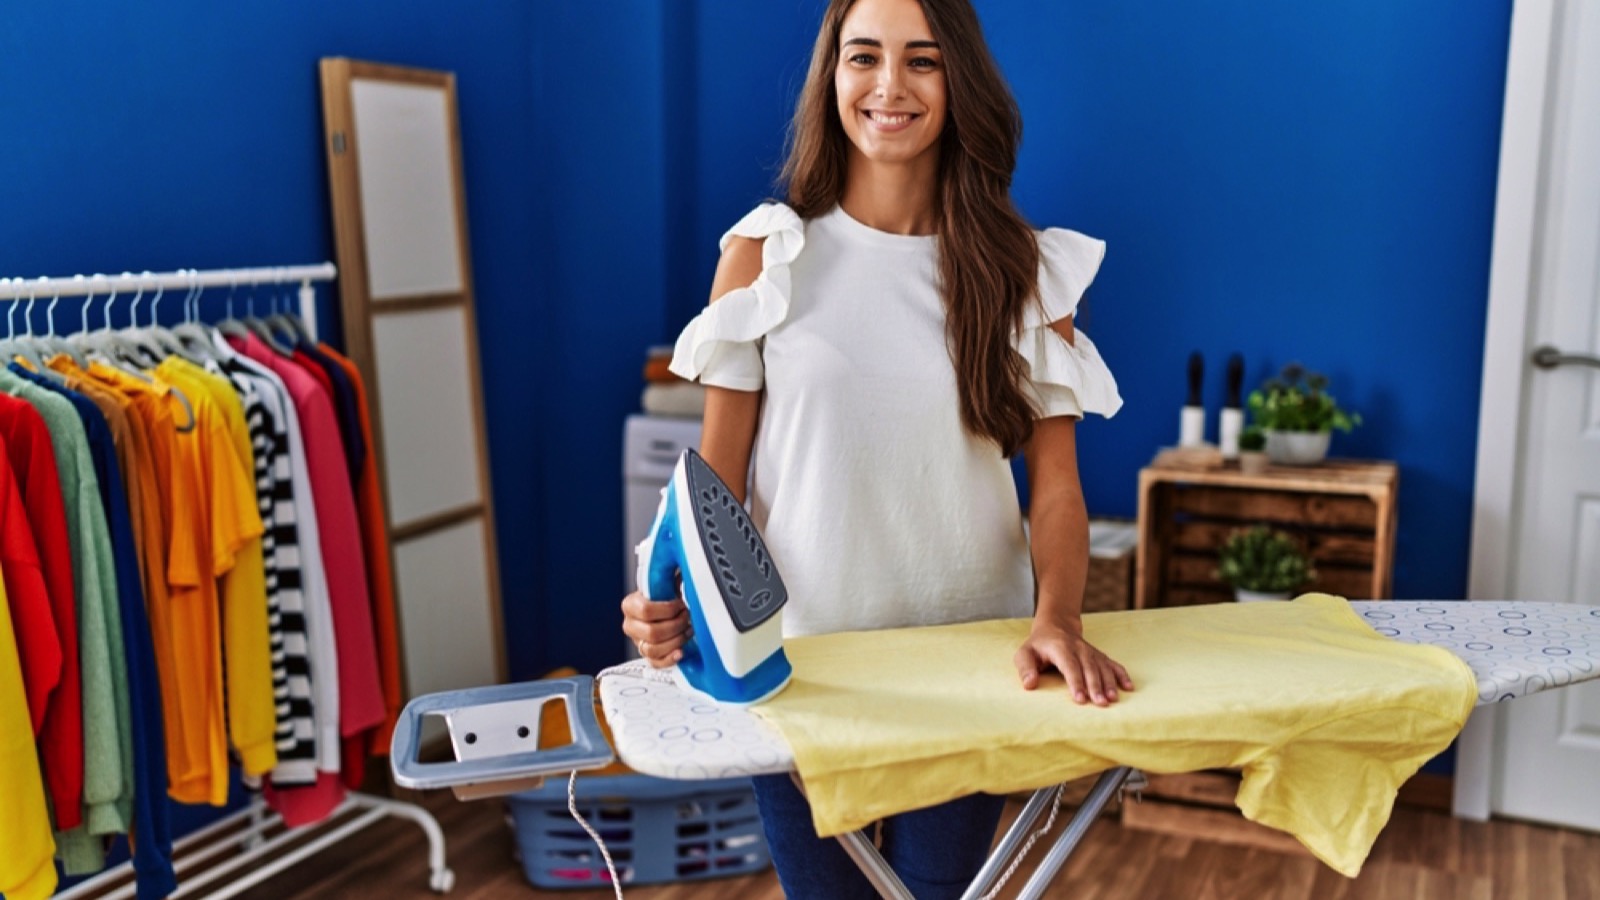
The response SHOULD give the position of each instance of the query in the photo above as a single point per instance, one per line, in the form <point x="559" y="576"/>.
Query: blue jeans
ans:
<point x="935" y="851"/>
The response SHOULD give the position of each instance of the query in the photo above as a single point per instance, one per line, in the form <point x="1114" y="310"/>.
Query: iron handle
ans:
<point x="1548" y="357"/>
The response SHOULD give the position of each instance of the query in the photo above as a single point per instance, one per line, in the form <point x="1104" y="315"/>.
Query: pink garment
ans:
<point x="360" y="692"/>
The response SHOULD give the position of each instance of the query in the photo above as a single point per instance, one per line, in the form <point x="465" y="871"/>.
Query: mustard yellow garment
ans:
<point x="237" y="549"/>
<point x="27" y="849"/>
<point x="1325" y="717"/>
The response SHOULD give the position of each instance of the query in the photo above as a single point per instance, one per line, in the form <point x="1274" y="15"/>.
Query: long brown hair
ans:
<point x="988" y="255"/>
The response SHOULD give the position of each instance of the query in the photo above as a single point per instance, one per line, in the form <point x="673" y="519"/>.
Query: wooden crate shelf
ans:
<point x="1345" y="511"/>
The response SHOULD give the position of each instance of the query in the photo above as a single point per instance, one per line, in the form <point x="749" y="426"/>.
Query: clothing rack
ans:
<point x="259" y="836"/>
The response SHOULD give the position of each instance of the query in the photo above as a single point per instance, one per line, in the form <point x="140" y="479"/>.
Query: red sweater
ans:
<point x="33" y="463"/>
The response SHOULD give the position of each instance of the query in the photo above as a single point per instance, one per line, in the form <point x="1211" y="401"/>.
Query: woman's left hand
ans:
<point x="1090" y="674"/>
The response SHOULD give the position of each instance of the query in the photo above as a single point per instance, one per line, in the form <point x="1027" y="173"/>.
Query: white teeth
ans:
<point x="890" y="120"/>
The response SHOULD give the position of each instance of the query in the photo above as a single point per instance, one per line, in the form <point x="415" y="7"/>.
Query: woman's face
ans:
<point x="890" y="81"/>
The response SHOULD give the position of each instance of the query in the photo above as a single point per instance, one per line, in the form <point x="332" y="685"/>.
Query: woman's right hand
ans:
<point x="658" y="628"/>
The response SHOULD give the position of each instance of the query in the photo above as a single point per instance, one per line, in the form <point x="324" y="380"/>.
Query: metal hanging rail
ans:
<point x="85" y="285"/>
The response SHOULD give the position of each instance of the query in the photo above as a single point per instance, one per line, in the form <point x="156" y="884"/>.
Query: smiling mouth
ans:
<point x="892" y="120"/>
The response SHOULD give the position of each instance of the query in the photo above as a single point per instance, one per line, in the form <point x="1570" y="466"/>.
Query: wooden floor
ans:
<point x="1422" y="854"/>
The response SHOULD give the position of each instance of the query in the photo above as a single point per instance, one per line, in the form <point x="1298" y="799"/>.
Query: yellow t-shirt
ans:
<point x="246" y="642"/>
<point x="27" y="864"/>
<point x="1325" y="717"/>
<point x="236" y="529"/>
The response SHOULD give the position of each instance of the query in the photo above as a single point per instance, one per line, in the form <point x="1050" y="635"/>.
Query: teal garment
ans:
<point x="106" y="793"/>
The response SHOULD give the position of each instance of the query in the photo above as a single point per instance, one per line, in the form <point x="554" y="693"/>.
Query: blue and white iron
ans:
<point x="730" y="585"/>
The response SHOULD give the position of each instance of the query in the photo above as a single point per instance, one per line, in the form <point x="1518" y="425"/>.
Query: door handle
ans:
<point x="1548" y="357"/>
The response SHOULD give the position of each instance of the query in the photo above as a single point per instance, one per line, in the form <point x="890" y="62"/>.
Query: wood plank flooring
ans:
<point x="1422" y="854"/>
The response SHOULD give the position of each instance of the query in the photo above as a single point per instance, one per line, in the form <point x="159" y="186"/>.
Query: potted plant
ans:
<point x="1263" y="563"/>
<point x="1298" y="416"/>
<point x="1252" y="451"/>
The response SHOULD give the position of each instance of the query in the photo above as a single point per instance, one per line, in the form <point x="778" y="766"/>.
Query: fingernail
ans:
<point x="676" y="655"/>
<point x="1079" y="697"/>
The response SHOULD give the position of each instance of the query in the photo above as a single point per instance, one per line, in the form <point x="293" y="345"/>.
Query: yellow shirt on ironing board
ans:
<point x="1325" y="717"/>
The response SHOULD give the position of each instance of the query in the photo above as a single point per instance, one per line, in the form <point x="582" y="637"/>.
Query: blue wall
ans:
<point x="1288" y="181"/>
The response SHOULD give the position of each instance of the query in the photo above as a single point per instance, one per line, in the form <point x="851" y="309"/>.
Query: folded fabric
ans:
<point x="1325" y="717"/>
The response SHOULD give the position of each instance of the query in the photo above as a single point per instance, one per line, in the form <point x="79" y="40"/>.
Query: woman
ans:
<point x="875" y="351"/>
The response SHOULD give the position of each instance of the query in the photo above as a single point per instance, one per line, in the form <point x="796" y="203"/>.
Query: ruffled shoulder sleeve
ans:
<point x="719" y="347"/>
<point x="1065" y="379"/>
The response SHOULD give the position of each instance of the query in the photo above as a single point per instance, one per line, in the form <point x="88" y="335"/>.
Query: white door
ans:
<point x="1547" y="750"/>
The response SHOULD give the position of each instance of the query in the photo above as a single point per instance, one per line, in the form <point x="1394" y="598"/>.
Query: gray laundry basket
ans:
<point x="657" y="830"/>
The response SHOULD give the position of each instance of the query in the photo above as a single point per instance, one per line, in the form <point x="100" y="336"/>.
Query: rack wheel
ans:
<point x="441" y="881"/>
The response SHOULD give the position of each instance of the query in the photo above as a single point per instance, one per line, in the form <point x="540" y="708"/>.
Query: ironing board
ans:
<point x="1513" y="648"/>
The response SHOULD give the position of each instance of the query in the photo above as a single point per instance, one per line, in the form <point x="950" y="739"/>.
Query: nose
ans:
<point x="890" y="82"/>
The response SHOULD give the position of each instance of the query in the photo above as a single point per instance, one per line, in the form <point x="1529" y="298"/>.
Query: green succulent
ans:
<point x="1298" y="400"/>
<point x="1252" y="439"/>
<point x="1261" y="558"/>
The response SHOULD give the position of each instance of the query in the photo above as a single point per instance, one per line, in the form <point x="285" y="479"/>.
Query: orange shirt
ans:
<point x="214" y="523"/>
<point x="159" y="415"/>
<point x="246" y="642"/>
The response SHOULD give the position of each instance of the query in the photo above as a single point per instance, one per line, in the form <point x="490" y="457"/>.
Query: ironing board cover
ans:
<point x="1514" y="648"/>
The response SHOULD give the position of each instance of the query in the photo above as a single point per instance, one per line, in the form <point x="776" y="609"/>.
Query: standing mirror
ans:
<point x="394" y="166"/>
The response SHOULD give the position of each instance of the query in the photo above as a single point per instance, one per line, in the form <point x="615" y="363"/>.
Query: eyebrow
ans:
<point x="874" y="42"/>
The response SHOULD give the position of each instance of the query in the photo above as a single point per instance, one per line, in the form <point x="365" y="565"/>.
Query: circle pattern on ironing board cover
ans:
<point x="1514" y="648"/>
<point x="666" y="732"/>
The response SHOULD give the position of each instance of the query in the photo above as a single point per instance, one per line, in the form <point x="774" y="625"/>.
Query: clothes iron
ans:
<point x="730" y="585"/>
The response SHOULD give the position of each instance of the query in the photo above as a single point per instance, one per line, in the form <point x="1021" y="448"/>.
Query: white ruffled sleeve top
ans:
<point x="878" y="507"/>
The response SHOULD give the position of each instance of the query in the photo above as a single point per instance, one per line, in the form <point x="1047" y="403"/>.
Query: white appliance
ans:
<point x="651" y="446"/>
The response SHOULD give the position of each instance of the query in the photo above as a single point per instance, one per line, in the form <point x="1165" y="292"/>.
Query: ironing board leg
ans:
<point x="1098" y="797"/>
<point x="867" y="859"/>
<point x="1036" y="807"/>
<point x="872" y="864"/>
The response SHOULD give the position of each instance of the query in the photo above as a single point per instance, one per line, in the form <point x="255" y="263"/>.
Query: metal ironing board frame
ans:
<point x="888" y="884"/>
<point x="1410" y="621"/>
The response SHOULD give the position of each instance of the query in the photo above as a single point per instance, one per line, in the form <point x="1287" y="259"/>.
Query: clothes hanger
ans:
<point x="288" y="321"/>
<point x="163" y="342"/>
<point x="259" y="328"/>
<point x="101" y="340"/>
<point x="154" y="342"/>
<point x="32" y="349"/>
<point x="190" y="334"/>
<point x="51" y="344"/>
<point x="13" y="341"/>
<point x="229" y="325"/>
<point x="11" y="308"/>
<point x="10" y="339"/>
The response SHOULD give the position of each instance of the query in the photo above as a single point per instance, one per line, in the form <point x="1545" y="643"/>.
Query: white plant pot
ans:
<point x="1253" y="462"/>
<point x="1244" y="596"/>
<point x="1298" y="448"/>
